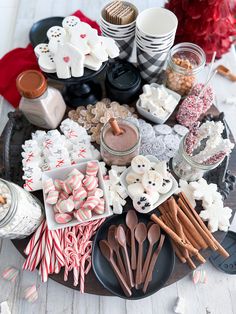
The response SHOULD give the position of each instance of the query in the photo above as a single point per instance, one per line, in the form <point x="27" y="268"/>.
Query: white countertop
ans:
<point x="217" y="296"/>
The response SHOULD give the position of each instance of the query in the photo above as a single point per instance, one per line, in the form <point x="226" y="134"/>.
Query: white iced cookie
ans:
<point x="92" y="63"/>
<point x="166" y="185"/>
<point x="69" y="61"/>
<point x="135" y="189"/>
<point x="45" y="58"/>
<point x="187" y="190"/>
<point x="140" y="164"/>
<point x="218" y="216"/>
<point x="143" y="203"/>
<point x="162" y="169"/>
<point x="99" y="53"/>
<point x="109" y="45"/>
<point x="71" y="22"/>
<point x="152" y="181"/>
<point x="133" y="177"/>
<point x="56" y="36"/>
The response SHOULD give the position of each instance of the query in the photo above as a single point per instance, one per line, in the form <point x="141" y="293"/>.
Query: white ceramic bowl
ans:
<point x="149" y="116"/>
<point x="62" y="173"/>
<point x="163" y="197"/>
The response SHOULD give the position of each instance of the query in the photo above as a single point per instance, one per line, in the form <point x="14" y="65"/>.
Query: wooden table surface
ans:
<point x="216" y="297"/>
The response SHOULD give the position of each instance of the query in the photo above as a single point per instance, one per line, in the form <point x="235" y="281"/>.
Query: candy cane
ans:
<point x="52" y="261"/>
<point x="45" y="264"/>
<point x="37" y="235"/>
<point x="40" y="252"/>
<point x="57" y="247"/>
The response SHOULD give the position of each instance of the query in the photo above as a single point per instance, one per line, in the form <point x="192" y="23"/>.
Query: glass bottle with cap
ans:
<point x="41" y="104"/>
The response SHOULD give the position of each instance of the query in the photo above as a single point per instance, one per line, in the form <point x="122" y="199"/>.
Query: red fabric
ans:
<point x="21" y="59"/>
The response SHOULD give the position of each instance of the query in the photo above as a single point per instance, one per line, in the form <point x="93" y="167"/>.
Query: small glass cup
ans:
<point x="184" y="61"/>
<point x="117" y="157"/>
<point x="186" y="168"/>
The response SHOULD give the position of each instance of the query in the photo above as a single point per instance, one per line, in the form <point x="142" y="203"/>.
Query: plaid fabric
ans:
<point x="126" y="47"/>
<point x="150" y="65"/>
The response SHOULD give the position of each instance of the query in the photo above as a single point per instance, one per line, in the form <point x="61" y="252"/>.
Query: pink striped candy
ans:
<point x="78" y="204"/>
<point x="56" y="207"/>
<point x="48" y="186"/>
<point x="52" y="197"/>
<point x="82" y="214"/>
<point x="90" y="183"/>
<point x="62" y="218"/>
<point x="91" y="202"/>
<point x="80" y="194"/>
<point x="76" y="172"/>
<point x="31" y="294"/>
<point x="74" y="182"/>
<point x="66" y="206"/>
<point x="66" y="187"/>
<point x="96" y="192"/>
<point x="92" y="169"/>
<point x="63" y="195"/>
<point x="100" y="208"/>
<point x="10" y="274"/>
<point x="58" y="184"/>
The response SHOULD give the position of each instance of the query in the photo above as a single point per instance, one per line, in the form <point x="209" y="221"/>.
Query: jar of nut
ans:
<point x="185" y="60"/>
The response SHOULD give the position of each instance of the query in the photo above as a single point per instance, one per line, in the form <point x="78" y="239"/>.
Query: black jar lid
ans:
<point x="122" y="75"/>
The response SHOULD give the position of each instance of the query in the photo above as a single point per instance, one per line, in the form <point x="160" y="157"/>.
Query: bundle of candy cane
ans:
<point x="70" y="248"/>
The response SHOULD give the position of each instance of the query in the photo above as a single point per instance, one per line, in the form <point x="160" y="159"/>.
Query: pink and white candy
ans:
<point x="91" y="202"/>
<point x="199" y="276"/>
<point x="100" y="208"/>
<point x="10" y="274"/>
<point x="48" y="186"/>
<point x="66" y="206"/>
<point x="82" y="214"/>
<point x="74" y="182"/>
<point x="96" y="192"/>
<point x="76" y="172"/>
<point x="63" y="195"/>
<point x="58" y="184"/>
<point x="90" y="183"/>
<point x="31" y="294"/>
<point x="92" y="168"/>
<point x="62" y="218"/>
<point x="52" y="197"/>
<point x="79" y="194"/>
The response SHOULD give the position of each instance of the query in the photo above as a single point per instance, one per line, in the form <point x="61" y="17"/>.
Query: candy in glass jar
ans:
<point x="20" y="212"/>
<point x="184" y="61"/>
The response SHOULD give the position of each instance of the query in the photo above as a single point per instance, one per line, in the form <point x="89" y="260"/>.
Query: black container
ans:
<point x="123" y="82"/>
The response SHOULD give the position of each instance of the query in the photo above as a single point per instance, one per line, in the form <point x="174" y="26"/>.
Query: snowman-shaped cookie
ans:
<point x="56" y="35"/>
<point x="143" y="203"/>
<point x="140" y="164"/>
<point x="133" y="177"/>
<point x="45" y="58"/>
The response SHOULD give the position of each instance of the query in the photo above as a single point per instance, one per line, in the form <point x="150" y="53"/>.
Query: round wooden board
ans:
<point x="93" y="286"/>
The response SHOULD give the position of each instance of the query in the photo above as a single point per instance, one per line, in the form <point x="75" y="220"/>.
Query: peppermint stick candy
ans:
<point x="215" y="158"/>
<point x="40" y="252"/>
<point x="192" y="138"/>
<point x="37" y="235"/>
<point x="45" y="264"/>
<point x="58" y="248"/>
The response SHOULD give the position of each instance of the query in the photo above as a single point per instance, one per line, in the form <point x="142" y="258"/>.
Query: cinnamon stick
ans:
<point x="208" y="235"/>
<point x="173" y="235"/>
<point x="115" y="126"/>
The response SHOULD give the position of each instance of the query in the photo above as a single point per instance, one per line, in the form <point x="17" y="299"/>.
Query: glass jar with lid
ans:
<point x="186" y="168"/>
<point x="184" y="62"/>
<point x="20" y="212"/>
<point x="120" y="149"/>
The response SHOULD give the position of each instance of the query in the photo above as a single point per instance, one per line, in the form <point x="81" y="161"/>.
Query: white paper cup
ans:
<point x="157" y="22"/>
<point x="154" y="41"/>
<point x="115" y="27"/>
<point x="118" y="33"/>
<point x="152" y="49"/>
<point x="150" y="45"/>
<point x="118" y="36"/>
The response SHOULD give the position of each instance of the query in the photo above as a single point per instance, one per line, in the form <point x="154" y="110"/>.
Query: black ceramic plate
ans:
<point x="104" y="273"/>
<point x="227" y="265"/>
<point x="38" y="34"/>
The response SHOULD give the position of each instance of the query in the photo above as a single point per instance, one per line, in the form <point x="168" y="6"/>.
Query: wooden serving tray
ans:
<point x="19" y="129"/>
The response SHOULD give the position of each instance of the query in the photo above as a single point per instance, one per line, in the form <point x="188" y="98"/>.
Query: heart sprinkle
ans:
<point x="66" y="59"/>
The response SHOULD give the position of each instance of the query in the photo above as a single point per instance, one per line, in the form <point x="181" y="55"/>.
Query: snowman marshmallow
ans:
<point x="140" y="164"/>
<point x="56" y="36"/>
<point x="133" y="177"/>
<point x="69" y="61"/>
<point x="45" y="58"/>
<point x="152" y="181"/>
<point x="143" y="203"/>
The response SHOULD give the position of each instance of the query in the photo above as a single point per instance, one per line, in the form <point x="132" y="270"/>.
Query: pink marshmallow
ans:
<point x="90" y="183"/>
<point x="52" y="197"/>
<point x="82" y="214"/>
<point x="91" y="202"/>
<point x="92" y="169"/>
<point x="62" y="218"/>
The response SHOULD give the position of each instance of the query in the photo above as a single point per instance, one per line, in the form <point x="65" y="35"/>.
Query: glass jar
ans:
<point x="41" y="104"/>
<point x="20" y="213"/>
<point x="120" y="149"/>
<point x="184" y="61"/>
<point x="186" y="168"/>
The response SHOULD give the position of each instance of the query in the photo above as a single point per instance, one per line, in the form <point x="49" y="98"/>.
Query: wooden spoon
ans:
<point x="121" y="238"/>
<point x="154" y="234"/>
<point x="107" y="252"/>
<point x="140" y="236"/>
<point x="116" y="248"/>
<point x="152" y="263"/>
<point x="131" y="222"/>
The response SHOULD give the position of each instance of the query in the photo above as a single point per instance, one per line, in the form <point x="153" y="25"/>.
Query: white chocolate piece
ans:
<point x="166" y="186"/>
<point x="92" y="63"/>
<point x="140" y="164"/>
<point x="143" y="203"/>
<point x="135" y="189"/>
<point x="109" y="45"/>
<point x="187" y="190"/>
